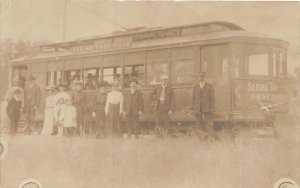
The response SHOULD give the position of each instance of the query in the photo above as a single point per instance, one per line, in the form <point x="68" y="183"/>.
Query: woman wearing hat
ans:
<point x="49" y="112"/>
<point x="113" y="109"/>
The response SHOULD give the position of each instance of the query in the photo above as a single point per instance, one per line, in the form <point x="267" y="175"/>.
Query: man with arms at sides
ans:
<point x="133" y="108"/>
<point x="164" y="99"/>
<point x="203" y="104"/>
<point x="31" y="103"/>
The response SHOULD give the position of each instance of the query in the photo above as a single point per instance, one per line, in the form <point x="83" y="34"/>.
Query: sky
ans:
<point x="43" y="19"/>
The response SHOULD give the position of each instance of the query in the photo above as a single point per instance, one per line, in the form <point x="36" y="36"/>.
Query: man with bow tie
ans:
<point x="133" y="108"/>
<point x="164" y="99"/>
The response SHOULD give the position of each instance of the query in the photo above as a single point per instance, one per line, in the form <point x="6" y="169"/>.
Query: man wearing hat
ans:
<point x="78" y="103"/>
<point x="203" y="103"/>
<point x="89" y="84"/>
<point x="164" y="98"/>
<point x="133" y="108"/>
<point x="32" y="98"/>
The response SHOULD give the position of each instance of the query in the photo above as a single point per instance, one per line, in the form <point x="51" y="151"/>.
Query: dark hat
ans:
<point x="17" y="91"/>
<point x="133" y="80"/>
<point x="202" y="74"/>
<point x="89" y="75"/>
<point x="31" y="77"/>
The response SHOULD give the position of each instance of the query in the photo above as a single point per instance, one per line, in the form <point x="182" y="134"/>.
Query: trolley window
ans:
<point x="157" y="65"/>
<point x="133" y="72"/>
<point x="54" y="77"/>
<point x="257" y="60"/>
<point x="71" y="76"/>
<point x="278" y="62"/>
<point x="182" y="71"/>
<point x="90" y="78"/>
<point x="111" y="73"/>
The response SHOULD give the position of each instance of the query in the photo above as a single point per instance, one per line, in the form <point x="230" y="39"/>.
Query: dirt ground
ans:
<point x="153" y="163"/>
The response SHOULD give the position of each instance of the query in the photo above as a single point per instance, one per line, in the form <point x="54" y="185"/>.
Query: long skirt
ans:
<point x="48" y="122"/>
<point x="113" y="127"/>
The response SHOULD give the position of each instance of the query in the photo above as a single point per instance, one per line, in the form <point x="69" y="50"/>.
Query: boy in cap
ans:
<point x="13" y="111"/>
<point x="133" y="108"/>
<point x="164" y="99"/>
<point x="203" y="103"/>
<point x="32" y="95"/>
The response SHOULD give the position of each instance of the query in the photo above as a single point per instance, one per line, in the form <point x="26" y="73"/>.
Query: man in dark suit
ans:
<point x="203" y="103"/>
<point x="31" y="103"/>
<point x="164" y="99"/>
<point x="133" y="108"/>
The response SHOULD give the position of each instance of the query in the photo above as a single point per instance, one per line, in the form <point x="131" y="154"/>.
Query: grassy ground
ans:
<point x="153" y="163"/>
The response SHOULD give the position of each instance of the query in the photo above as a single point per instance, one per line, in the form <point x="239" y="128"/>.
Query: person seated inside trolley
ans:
<point x="75" y="79"/>
<point x="101" y="83"/>
<point x="126" y="81"/>
<point x="90" y="82"/>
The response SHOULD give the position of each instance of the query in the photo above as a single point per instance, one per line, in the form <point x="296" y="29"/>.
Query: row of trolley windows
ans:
<point x="219" y="60"/>
<point x="94" y="78"/>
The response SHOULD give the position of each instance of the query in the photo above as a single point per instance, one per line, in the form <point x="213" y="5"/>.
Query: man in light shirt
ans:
<point x="133" y="108"/>
<point x="164" y="99"/>
<point x="113" y="110"/>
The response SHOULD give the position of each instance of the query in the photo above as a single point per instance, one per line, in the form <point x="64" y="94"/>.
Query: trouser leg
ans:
<point x="208" y="124"/>
<point x="136" y="128"/>
<point x="129" y="125"/>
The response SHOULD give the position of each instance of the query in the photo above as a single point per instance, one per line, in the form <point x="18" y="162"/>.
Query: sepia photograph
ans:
<point x="149" y="94"/>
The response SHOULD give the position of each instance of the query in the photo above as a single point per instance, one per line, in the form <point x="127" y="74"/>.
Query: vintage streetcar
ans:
<point x="248" y="70"/>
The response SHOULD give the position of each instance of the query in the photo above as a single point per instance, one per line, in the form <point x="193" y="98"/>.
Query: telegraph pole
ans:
<point x="64" y="20"/>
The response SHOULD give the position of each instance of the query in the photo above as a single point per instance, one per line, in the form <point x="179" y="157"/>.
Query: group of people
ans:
<point x="71" y="113"/>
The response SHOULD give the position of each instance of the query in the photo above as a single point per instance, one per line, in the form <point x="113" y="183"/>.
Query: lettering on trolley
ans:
<point x="262" y="91"/>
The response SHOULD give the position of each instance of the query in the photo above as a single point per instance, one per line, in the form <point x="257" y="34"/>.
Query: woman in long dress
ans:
<point x="113" y="109"/>
<point x="49" y="112"/>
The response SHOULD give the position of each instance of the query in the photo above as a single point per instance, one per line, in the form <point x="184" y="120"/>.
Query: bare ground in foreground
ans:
<point x="153" y="163"/>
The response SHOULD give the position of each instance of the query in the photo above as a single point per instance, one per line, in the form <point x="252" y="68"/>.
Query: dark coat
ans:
<point x="169" y="98"/>
<point x="203" y="99"/>
<point x="32" y="96"/>
<point x="13" y="109"/>
<point x="133" y="103"/>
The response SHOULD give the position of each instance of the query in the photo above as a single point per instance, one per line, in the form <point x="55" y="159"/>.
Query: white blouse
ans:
<point x="114" y="97"/>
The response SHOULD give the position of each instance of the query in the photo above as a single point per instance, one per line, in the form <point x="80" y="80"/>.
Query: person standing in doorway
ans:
<point x="203" y="104"/>
<point x="31" y="103"/>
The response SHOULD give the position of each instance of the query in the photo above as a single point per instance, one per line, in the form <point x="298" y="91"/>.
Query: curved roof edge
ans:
<point x="137" y="30"/>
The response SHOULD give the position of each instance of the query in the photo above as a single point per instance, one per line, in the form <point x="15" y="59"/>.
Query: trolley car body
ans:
<point x="245" y="68"/>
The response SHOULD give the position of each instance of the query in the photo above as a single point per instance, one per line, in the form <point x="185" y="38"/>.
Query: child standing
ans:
<point x="67" y="119"/>
<point x="13" y="110"/>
